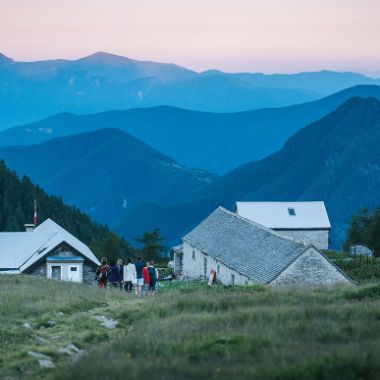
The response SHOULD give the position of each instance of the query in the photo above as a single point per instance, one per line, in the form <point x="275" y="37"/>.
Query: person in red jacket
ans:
<point x="146" y="277"/>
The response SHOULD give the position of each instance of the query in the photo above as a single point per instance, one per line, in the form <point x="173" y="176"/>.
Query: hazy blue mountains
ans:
<point x="100" y="82"/>
<point x="105" y="172"/>
<point x="336" y="159"/>
<point x="215" y="142"/>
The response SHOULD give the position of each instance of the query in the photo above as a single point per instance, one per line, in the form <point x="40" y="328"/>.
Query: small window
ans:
<point x="292" y="211"/>
<point x="232" y="279"/>
<point x="73" y="269"/>
<point x="218" y="269"/>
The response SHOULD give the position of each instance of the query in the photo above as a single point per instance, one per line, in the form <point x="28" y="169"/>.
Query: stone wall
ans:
<point x="311" y="268"/>
<point x="318" y="238"/>
<point x="40" y="270"/>
<point x="194" y="267"/>
<point x="88" y="274"/>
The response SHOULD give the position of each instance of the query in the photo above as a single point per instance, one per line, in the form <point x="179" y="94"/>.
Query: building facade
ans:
<point x="307" y="222"/>
<point x="242" y="252"/>
<point x="49" y="251"/>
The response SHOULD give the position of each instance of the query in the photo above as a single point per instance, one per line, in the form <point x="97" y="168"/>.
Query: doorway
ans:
<point x="56" y="272"/>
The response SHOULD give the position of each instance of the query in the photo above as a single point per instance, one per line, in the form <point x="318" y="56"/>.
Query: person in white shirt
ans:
<point x="130" y="276"/>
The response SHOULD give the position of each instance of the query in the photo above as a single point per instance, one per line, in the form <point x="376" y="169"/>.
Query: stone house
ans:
<point x="47" y="250"/>
<point x="307" y="222"/>
<point x="243" y="252"/>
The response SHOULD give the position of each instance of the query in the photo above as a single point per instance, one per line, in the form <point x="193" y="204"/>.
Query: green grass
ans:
<point x="191" y="331"/>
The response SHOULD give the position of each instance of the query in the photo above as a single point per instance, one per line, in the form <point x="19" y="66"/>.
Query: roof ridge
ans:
<point x="38" y="249"/>
<point x="269" y="230"/>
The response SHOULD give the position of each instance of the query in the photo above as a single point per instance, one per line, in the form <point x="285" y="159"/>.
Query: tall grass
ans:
<point x="191" y="331"/>
<point x="247" y="333"/>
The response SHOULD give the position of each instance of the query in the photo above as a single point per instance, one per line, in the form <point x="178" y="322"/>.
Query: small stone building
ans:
<point x="307" y="222"/>
<point x="243" y="252"/>
<point x="47" y="250"/>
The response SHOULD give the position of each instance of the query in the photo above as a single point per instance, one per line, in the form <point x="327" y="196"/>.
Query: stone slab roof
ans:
<point x="248" y="248"/>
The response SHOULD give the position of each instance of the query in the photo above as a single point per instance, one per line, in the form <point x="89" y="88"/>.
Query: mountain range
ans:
<point x="335" y="159"/>
<point x="105" y="172"/>
<point x="122" y="181"/>
<point x="215" y="142"/>
<point x="99" y="82"/>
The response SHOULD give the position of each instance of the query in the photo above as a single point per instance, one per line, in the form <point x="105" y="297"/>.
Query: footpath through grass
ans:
<point x="192" y="332"/>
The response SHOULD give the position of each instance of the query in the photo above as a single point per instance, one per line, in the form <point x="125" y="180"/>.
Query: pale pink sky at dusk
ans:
<point x="231" y="35"/>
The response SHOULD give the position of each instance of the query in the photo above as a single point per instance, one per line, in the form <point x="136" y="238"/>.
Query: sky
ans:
<point x="231" y="35"/>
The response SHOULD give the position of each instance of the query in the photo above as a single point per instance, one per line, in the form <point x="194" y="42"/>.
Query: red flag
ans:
<point x="35" y="213"/>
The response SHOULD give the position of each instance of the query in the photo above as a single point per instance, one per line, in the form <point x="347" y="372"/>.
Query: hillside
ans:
<point x="105" y="172"/>
<point x="190" y="331"/>
<point x="99" y="82"/>
<point x="215" y="142"/>
<point x="16" y="208"/>
<point x="335" y="159"/>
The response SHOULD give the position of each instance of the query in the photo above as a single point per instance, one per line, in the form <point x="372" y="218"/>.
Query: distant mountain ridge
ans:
<point x="102" y="81"/>
<point x="335" y="159"/>
<point x="105" y="172"/>
<point x="215" y="142"/>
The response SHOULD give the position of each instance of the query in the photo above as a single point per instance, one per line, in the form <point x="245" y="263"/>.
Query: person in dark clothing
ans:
<point x="139" y="274"/>
<point x="102" y="273"/>
<point x="121" y="269"/>
<point x="114" y="274"/>
<point x="153" y="276"/>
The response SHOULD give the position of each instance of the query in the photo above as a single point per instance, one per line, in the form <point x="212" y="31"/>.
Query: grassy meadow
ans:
<point x="189" y="331"/>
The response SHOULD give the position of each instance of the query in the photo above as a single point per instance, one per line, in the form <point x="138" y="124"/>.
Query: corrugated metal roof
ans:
<point x="307" y="215"/>
<point x="247" y="247"/>
<point x="23" y="249"/>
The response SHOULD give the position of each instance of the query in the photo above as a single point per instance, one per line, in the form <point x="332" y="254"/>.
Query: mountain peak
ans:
<point x="4" y="59"/>
<point x="104" y="57"/>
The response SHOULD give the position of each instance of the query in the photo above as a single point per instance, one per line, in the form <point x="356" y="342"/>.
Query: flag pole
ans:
<point x="35" y="213"/>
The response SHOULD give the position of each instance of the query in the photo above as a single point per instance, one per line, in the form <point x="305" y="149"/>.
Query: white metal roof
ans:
<point x="277" y="215"/>
<point x="19" y="250"/>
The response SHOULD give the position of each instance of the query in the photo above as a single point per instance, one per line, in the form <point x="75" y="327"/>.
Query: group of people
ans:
<point x="139" y="276"/>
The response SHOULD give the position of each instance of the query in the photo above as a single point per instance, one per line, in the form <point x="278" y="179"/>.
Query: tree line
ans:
<point x="365" y="230"/>
<point x="17" y="197"/>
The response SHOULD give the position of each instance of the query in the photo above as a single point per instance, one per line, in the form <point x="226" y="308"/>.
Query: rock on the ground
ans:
<point x="70" y="350"/>
<point x="39" y="355"/>
<point x="27" y="326"/>
<point x="46" y="363"/>
<point x="107" y="323"/>
<point x="40" y="339"/>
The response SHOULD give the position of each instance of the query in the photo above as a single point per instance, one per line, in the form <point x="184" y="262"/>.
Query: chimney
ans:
<point x="29" y="227"/>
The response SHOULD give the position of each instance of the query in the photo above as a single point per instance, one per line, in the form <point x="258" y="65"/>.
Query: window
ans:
<point x="73" y="269"/>
<point x="56" y="272"/>
<point x="193" y="255"/>
<point x="218" y="269"/>
<point x="292" y="211"/>
<point x="232" y="279"/>
<point x="205" y="267"/>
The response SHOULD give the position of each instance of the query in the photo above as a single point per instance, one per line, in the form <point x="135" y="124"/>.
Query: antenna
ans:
<point x="35" y="213"/>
